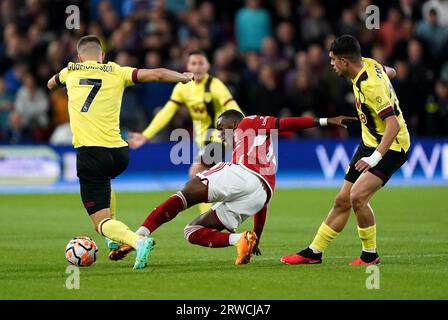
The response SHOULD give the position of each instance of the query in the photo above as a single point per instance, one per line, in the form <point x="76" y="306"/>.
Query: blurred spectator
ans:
<point x="286" y="37"/>
<point x="59" y="107"/>
<point x="314" y="26"/>
<point x="13" y="77"/>
<point x="433" y="33"/>
<point x="177" y="6"/>
<point x="390" y="31"/>
<point x="267" y="98"/>
<point x="323" y="79"/>
<point x="6" y="106"/>
<point x="284" y="11"/>
<point x="249" y="80"/>
<point x="270" y="55"/>
<point x="407" y="33"/>
<point x="420" y="79"/>
<point x="405" y="96"/>
<point x="348" y="23"/>
<point x="300" y="64"/>
<point x="16" y="132"/>
<point x="252" y="25"/>
<point x="32" y="105"/>
<point x="410" y="9"/>
<point x="437" y="110"/>
<point x="441" y="7"/>
<point x="302" y="97"/>
<point x="208" y="17"/>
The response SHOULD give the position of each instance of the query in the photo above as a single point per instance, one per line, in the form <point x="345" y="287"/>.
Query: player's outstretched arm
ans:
<point x="299" y="123"/>
<point x="340" y="121"/>
<point x="163" y="75"/>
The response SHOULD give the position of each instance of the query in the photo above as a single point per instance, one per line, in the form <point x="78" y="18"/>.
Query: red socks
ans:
<point x="211" y="238"/>
<point x="199" y="235"/>
<point x="165" y="212"/>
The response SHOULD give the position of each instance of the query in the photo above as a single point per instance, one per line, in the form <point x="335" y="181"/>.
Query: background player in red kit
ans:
<point x="240" y="188"/>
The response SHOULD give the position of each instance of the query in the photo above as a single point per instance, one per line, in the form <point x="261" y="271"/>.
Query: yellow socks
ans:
<point x="203" y="207"/>
<point x="368" y="238"/>
<point x="118" y="231"/>
<point x="323" y="238"/>
<point x="113" y="204"/>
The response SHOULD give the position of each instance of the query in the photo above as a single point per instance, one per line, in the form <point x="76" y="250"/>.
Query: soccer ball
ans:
<point x="81" y="251"/>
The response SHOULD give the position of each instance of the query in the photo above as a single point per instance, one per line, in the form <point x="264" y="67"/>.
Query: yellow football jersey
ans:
<point x="95" y="93"/>
<point x="375" y="101"/>
<point x="196" y="98"/>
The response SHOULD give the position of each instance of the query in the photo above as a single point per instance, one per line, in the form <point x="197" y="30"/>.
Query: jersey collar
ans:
<point x="204" y="80"/>
<point x="360" y="72"/>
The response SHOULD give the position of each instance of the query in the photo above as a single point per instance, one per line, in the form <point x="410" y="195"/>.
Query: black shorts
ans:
<point x="384" y="170"/>
<point x="211" y="154"/>
<point x="95" y="167"/>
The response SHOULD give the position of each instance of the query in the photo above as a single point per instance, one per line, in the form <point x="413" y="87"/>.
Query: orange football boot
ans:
<point x="245" y="246"/>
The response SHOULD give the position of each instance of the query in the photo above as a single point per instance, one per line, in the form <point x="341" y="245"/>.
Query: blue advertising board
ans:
<point x="310" y="163"/>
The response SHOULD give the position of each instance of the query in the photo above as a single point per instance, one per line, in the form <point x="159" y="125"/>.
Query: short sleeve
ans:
<point x="61" y="77"/>
<point x="128" y="74"/>
<point x="377" y="97"/>
<point x="176" y="95"/>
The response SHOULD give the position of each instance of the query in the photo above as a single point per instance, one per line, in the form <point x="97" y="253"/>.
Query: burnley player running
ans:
<point x="95" y="90"/>
<point x="241" y="188"/>
<point x="383" y="150"/>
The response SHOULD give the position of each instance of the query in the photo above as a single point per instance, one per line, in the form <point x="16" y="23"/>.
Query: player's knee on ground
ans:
<point x="342" y="202"/>
<point x="189" y="230"/>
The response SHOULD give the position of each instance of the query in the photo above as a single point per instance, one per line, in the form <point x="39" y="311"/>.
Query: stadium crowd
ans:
<point x="271" y="54"/>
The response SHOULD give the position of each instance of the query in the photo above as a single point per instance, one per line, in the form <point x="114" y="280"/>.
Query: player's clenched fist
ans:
<point x="189" y="76"/>
<point x="136" y="140"/>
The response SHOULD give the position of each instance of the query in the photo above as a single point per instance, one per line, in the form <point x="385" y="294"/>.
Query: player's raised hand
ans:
<point x="136" y="140"/>
<point x="189" y="76"/>
<point x="341" y="121"/>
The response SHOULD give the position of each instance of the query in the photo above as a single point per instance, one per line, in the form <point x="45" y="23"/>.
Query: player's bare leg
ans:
<point x="340" y="212"/>
<point x="194" y="192"/>
<point x="363" y="189"/>
<point x="205" y="231"/>
<point x="195" y="168"/>
<point x="329" y="229"/>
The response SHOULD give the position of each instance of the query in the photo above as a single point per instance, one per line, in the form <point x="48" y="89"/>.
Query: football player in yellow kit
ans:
<point x="95" y="90"/>
<point x="383" y="150"/>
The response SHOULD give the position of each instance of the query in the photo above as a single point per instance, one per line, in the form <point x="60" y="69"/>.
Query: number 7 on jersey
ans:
<point x="96" y="83"/>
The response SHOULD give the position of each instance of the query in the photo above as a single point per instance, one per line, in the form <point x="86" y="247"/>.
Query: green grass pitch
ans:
<point x="412" y="239"/>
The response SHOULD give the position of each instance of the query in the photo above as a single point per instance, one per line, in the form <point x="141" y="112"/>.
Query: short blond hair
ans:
<point x="89" y="44"/>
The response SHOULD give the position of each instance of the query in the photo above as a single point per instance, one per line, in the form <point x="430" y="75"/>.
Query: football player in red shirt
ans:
<point x="240" y="189"/>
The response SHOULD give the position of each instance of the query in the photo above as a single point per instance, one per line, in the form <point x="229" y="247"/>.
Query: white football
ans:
<point x="81" y="251"/>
